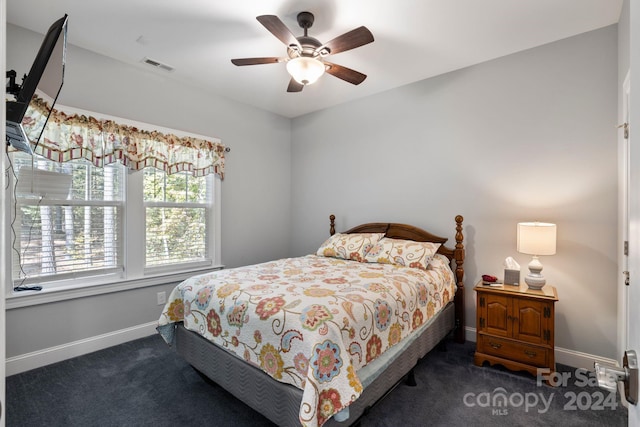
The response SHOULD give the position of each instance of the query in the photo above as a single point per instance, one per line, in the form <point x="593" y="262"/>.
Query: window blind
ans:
<point x="66" y="240"/>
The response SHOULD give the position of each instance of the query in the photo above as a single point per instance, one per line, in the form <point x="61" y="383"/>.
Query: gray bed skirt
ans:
<point x="280" y="402"/>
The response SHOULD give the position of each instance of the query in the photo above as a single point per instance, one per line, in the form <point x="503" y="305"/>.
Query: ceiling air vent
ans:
<point x="157" y="64"/>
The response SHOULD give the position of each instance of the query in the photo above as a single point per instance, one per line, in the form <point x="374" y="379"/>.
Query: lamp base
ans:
<point x="535" y="279"/>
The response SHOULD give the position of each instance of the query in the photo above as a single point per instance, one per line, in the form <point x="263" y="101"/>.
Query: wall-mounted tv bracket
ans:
<point x="12" y="87"/>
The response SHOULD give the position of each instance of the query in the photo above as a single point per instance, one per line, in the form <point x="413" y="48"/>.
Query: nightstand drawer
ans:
<point x="513" y="350"/>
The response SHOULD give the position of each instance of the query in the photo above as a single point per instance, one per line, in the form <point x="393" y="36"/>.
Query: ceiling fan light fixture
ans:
<point x="305" y="70"/>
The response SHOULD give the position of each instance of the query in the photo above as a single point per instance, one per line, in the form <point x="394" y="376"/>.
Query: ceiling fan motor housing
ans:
<point x="309" y="47"/>
<point x="308" y="44"/>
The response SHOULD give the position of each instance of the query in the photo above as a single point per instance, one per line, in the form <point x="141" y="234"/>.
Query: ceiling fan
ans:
<point x="306" y="55"/>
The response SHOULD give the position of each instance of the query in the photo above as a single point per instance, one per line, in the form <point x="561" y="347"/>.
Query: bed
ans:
<point x="317" y="340"/>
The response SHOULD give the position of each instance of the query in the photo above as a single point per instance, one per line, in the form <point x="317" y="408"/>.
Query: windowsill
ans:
<point x="45" y="296"/>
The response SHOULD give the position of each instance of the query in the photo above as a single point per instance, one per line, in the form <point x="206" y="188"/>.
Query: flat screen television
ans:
<point x="40" y="87"/>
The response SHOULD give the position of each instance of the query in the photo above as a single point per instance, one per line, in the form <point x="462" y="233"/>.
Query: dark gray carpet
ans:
<point x="144" y="383"/>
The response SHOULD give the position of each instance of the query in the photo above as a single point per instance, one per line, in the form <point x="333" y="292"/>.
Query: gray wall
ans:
<point x="530" y="136"/>
<point x="461" y="143"/>
<point x="256" y="189"/>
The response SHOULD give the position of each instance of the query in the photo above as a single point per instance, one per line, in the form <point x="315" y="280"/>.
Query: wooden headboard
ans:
<point x="410" y="232"/>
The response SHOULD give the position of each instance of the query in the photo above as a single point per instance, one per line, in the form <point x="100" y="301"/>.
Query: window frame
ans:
<point x="209" y="243"/>
<point x="62" y="278"/>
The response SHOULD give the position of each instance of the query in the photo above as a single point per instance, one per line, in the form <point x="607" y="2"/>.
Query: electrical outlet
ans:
<point x="162" y="298"/>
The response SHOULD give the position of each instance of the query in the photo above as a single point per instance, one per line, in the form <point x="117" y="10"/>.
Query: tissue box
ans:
<point x="511" y="277"/>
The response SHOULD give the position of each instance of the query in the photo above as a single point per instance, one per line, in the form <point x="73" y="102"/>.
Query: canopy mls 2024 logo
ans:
<point x="500" y="401"/>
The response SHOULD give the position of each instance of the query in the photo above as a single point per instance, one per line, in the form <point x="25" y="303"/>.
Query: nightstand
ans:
<point x="515" y="327"/>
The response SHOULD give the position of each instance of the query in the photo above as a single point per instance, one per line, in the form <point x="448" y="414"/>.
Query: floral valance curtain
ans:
<point x="68" y="137"/>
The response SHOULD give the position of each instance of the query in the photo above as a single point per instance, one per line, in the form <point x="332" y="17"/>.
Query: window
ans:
<point x="69" y="220"/>
<point x="176" y="218"/>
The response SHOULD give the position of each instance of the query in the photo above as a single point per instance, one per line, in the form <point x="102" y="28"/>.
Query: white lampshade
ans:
<point x="305" y="70"/>
<point x="536" y="238"/>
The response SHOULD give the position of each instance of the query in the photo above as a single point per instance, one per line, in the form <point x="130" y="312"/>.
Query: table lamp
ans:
<point x="536" y="238"/>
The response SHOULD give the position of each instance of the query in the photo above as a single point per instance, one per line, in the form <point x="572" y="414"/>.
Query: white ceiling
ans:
<point x="414" y="39"/>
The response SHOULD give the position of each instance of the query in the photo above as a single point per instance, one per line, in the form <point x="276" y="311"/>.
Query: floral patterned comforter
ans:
<point x="311" y="321"/>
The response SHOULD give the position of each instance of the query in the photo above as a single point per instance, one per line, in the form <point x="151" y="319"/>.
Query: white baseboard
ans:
<point x="47" y="356"/>
<point x="573" y="358"/>
<point x="577" y="359"/>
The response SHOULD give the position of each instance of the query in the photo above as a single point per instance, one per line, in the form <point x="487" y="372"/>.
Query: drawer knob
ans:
<point x="530" y="353"/>
<point x="495" y="345"/>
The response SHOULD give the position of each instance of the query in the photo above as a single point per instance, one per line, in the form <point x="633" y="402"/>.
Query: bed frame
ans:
<point x="280" y="402"/>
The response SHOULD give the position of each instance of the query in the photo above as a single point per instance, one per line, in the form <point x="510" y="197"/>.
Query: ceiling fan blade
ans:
<point x="344" y="73"/>
<point x="294" y="86"/>
<point x="256" y="61"/>
<point x="354" y="38"/>
<point x="278" y="29"/>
